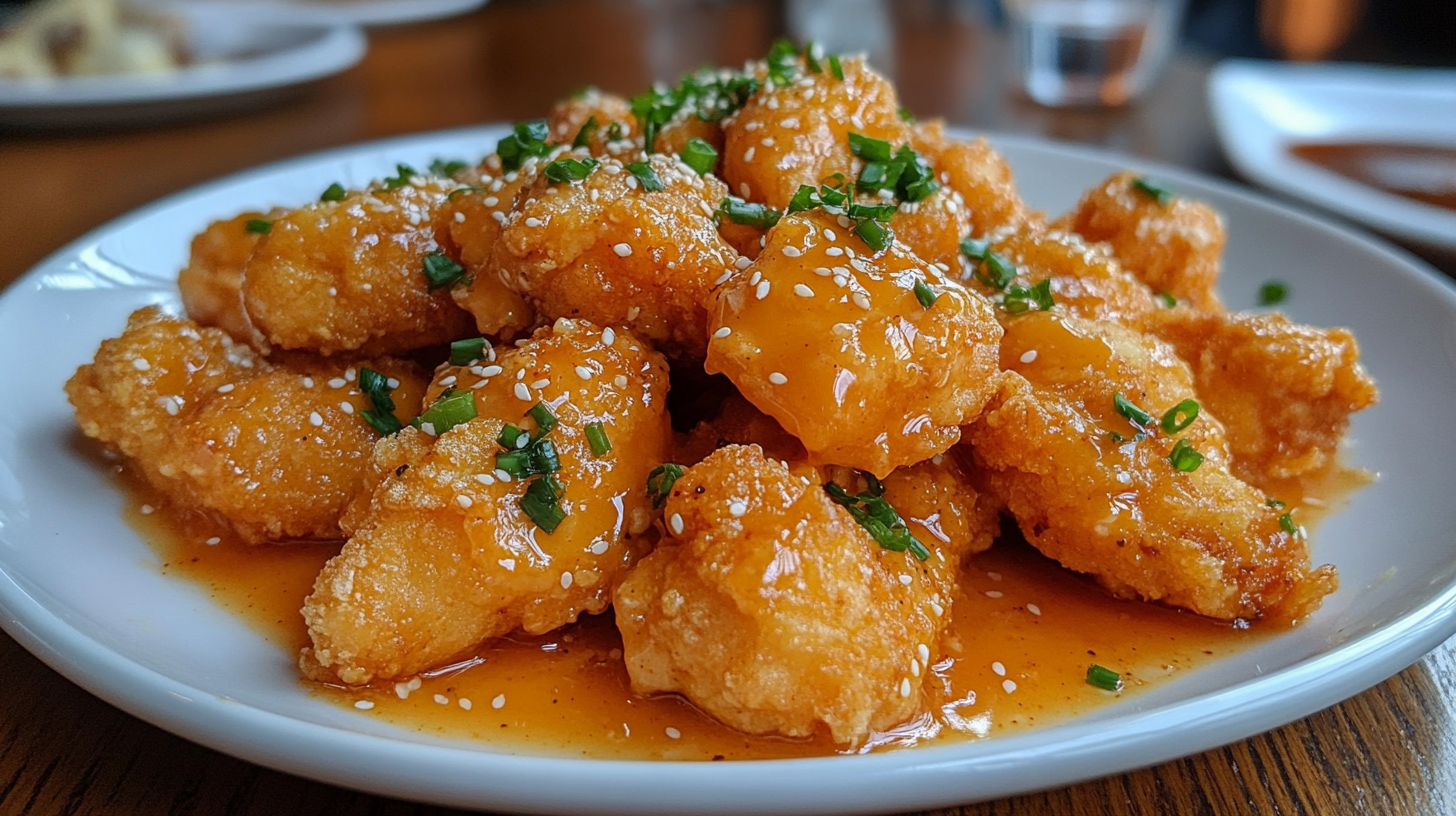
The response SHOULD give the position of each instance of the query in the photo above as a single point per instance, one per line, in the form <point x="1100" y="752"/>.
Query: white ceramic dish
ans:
<point x="81" y="591"/>
<point x="241" y="62"/>
<point x="1261" y="108"/>
<point x="358" y="12"/>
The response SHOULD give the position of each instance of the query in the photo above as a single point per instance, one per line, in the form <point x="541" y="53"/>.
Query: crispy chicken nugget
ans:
<point x="1284" y="391"/>
<point x="1146" y="521"/>
<point x="979" y="174"/>
<point x="212" y="282"/>
<point x="476" y="212"/>
<point x="772" y="609"/>
<point x="1173" y="247"/>
<point x="348" y="277"/>
<point x="831" y="339"/>
<point x="610" y="128"/>
<point x="446" y="556"/>
<point x="609" y="249"/>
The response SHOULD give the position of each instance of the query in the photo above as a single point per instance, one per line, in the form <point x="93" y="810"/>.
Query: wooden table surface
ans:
<point x="1389" y="751"/>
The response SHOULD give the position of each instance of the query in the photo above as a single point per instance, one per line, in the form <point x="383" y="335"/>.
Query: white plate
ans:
<point x="1261" y="108"/>
<point x="241" y="62"/>
<point x="333" y="12"/>
<point x="81" y="591"/>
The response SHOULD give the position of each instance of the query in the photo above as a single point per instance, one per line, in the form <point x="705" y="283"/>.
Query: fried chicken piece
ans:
<point x="830" y="339"/>
<point x="608" y="250"/>
<point x="1284" y="391"/>
<point x="275" y="452"/>
<point x="788" y="135"/>
<point x="613" y="132"/>
<point x="1174" y="247"/>
<point x="979" y="174"/>
<point x="739" y="423"/>
<point x="476" y="212"/>
<point x="933" y="227"/>
<point x="445" y="557"/>
<point x="347" y="277"/>
<point x="1117" y="507"/>
<point x="211" y="283"/>
<point x="771" y="608"/>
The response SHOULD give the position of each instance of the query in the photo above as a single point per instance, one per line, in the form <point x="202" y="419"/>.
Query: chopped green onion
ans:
<point x="465" y="352"/>
<point x="537" y="457"/>
<point x="1105" y="679"/>
<point x="871" y="150"/>
<point x="660" y="482"/>
<point x="335" y="192"/>
<point x="1166" y="299"/>
<point x="879" y="212"/>
<point x="782" y="61"/>
<point x="1275" y="503"/>
<point x="1286" y="521"/>
<point x="699" y="155"/>
<point x="402" y="176"/>
<point x="451" y="409"/>
<point x="1184" y="457"/>
<point x="1020" y="298"/>
<point x="920" y="190"/>
<point x="259" y="226"/>
<point x="906" y="115"/>
<point x="997" y="272"/>
<point x="442" y="167"/>
<point x="646" y="176"/>
<point x="1153" y="190"/>
<point x="811" y="59"/>
<point x="1273" y="292"/>
<point x="441" y="271"/>
<point x="752" y="215"/>
<point x="835" y="68"/>
<point x="925" y="294"/>
<point x="874" y="176"/>
<point x="879" y="518"/>
<point x="563" y="170"/>
<point x="542" y="503"/>
<point x="596" y="436"/>
<point x="584" y="133"/>
<point x="975" y="248"/>
<point x="381" y="416"/>
<point x="876" y="236"/>
<point x="1116" y="437"/>
<point x="545" y="420"/>
<point x="1180" y="416"/>
<point x="1134" y="414"/>
<point x="510" y="437"/>
<point x="526" y="139"/>
<point x="615" y="132"/>
<point x="807" y="198"/>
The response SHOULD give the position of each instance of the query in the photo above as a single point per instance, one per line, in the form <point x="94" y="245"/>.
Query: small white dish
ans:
<point x="239" y="62"/>
<point x="80" y="590"/>
<point x="1261" y="109"/>
<point x="334" y="12"/>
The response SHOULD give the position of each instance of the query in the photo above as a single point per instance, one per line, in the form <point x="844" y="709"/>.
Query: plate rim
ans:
<point x="525" y="782"/>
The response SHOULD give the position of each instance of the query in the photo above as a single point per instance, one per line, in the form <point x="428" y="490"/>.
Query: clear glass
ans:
<point x="1091" y="52"/>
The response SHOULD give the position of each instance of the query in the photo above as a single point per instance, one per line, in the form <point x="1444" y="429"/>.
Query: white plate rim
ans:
<point x="921" y="778"/>
<point x="357" y="12"/>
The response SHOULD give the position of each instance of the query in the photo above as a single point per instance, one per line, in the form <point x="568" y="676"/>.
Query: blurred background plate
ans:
<point x="358" y="12"/>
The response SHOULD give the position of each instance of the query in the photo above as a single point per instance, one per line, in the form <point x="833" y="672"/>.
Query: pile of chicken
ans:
<point x="909" y="364"/>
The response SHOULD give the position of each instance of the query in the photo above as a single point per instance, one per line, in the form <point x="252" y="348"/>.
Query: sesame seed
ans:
<point x="147" y="509"/>
<point x="338" y="382"/>
<point x="460" y="218"/>
<point x="499" y="701"/>
<point x="843" y="221"/>
<point x="213" y="542"/>
<point x="169" y="404"/>
<point x="743" y="262"/>
<point x="1009" y="685"/>
<point x="491" y="201"/>
<point x="442" y="699"/>
<point x="541" y="383"/>
<point x="448" y="381"/>
<point x="831" y="234"/>
<point x="1034" y="609"/>
<point x="315" y="419"/>
<point x="924" y="652"/>
<point x="777" y="378"/>
<point x="793" y="251"/>
<point x="600" y="548"/>
<point x="745" y="190"/>
<point x="465" y="703"/>
<point x="748" y="154"/>
<point x="608" y="336"/>
<point x="307" y="383"/>
<point x="905" y="578"/>
<point x="522" y="441"/>
<point x="485" y="478"/>
<point x="723" y="278"/>
<point x="491" y="371"/>
<point x="762" y="291"/>
<point x="428" y="428"/>
<point x="993" y="593"/>
<point x="620" y="381"/>
<point x="672" y="733"/>
<point x="757" y="276"/>
<point x="834" y="251"/>
<point x="737" y="508"/>
<point x="584" y="372"/>
<point x="905" y="687"/>
<point x="803" y="291"/>
<point x="346" y="407"/>
<point x="994" y="576"/>
<point x="914" y="669"/>
<point x="823" y="271"/>
<point x="364" y="705"/>
<point x="998" y="668"/>
<point x="521" y="373"/>
<point x="522" y="393"/>
<point x="141" y="364"/>
<point x="508" y="563"/>
<point x="676" y="523"/>
<point x="723" y="332"/>
<point x="226" y="389"/>
<point x="861" y="300"/>
<point x="333" y="292"/>
<point x="1028" y="356"/>
<point x="622" y="250"/>
<point x="464" y="501"/>
<point x="349" y="374"/>
<point x="937" y="609"/>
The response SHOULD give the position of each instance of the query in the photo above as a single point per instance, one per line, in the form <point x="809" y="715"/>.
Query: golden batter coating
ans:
<point x="347" y="277"/>
<point x="979" y="174"/>
<point x="739" y="423"/>
<point x="1284" y="391"/>
<point x="831" y="340"/>
<point x="211" y="283"/>
<point x="444" y="557"/>
<point x="1116" y="506"/>
<point x="614" y="131"/>
<point x="275" y="452"/>
<point x="768" y="606"/>
<point x="608" y="250"/>
<point x="1173" y="247"/>
<point x="476" y="211"/>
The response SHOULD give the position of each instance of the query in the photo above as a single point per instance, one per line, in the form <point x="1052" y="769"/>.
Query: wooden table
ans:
<point x="1388" y="751"/>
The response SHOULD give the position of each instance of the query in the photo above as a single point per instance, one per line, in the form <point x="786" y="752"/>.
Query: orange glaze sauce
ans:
<point x="1023" y="635"/>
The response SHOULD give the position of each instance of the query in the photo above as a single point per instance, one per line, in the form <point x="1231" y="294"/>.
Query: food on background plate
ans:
<point x="912" y="358"/>
<point x="56" y="38"/>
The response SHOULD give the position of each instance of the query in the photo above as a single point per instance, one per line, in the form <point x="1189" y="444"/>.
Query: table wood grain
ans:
<point x="1389" y="751"/>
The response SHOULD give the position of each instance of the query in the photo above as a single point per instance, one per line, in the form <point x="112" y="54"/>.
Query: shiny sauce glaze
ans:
<point x="1016" y="656"/>
<point x="1424" y="173"/>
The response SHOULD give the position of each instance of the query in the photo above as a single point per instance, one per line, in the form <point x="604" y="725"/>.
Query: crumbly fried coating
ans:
<point x="1116" y="507"/>
<point x="275" y="452"/>
<point x="933" y="227"/>
<point x="771" y="608"/>
<point x="738" y="423"/>
<point x="614" y="131"/>
<point x="830" y="339"/>
<point x="788" y="135"/>
<point x="608" y="250"/>
<point x="211" y="283"/>
<point x="476" y="211"/>
<point x="347" y="277"/>
<point x="1284" y="391"/>
<point x="444" y="557"/>
<point x="1173" y="248"/>
<point x="979" y="174"/>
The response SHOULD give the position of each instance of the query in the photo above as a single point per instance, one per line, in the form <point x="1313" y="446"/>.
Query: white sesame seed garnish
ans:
<point x="743" y="262"/>
<point x="464" y="501"/>
<point x="937" y="609"/>
<point x="994" y="576"/>
<point x="762" y="291"/>
<point x="350" y="374"/>
<point x="737" y="508"/>
<point x="491" y="371"/>
<point x="777" y="378"/>
<point x="993" y="593"/>
<point x="226" y="389"/>
<point x="608" y="336"/>
<point x="672" y="733"/>
<point x="520" y="373"/>
<point x="315" y="419"/>
<point x="491" y="201"/>
<point x="566" y="579"/>
<point x="338" y="382"/>
<point x="622" y="250"/>
<point x="508" y="563"/>
<point x="834" y="252"/>
<point x="722" y="332"/>
<point x="831" y="234"/>
<point x="459" y="217"/>
<point x="745" y="190"/>
<point x="364" y="705"/>
<point x="914" y="668"/>
<point x="442" y="699"/>
<point x="793" y="251"/>
<point x="999" y="668"/>
<point x="676" y="523"/>
<point x="757" y="276"/>
<point x="905" y="578"/>
<point x="346" y="407"/>
<point x="523" y="393"/>
<point x="1009" y="685"/>
<point x="1034" y="609"/>
<point x="485" y="478"/>
<point x="861" y="300"/>
<point x="213" y="542"/>
<point x="522" y="441"/>
<point x="308" y="383"/>
<point x="333" y="292"/>
<point x="823" y="271"/>
<point x="723" y="278"/>
<point x="448" y="381"/>
<point x="748" y="154"/>
<point x="803" y="291"/>
<point x="905" y="687"/>
<point x="465" y="703"/>
<point x="499" y="701"/>
<point x="600" y="548"/>
<point x="541" y="383"/>
<point x="583" y="372"/>
<point x="620" y="381"/>
<point x="924" y="652"/>
<point x="428" y="428"/>
<point x="147" y="510"/>
<point x="141" y="364"/>
<point x="1028" y="356"/>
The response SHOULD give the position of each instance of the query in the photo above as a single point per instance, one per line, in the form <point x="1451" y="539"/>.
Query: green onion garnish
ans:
<point x="1116" y="437"/>
<point x="465" y="352"/>
<point x="878" y="518"/>
<point x="1273" y="292"/>
<point x="997" y="272"/>
<point x="646" y="176"/>
<point x="381" y="416"/>
<point x="335" y="192"/>
<point x="906" y="115"/>
<point x="536" y="458"/>
<point x="1134" y="414"/>
<point x="782" y="61"/>
<point x="526" y="139"/>
<point x="1275" y="503"/>
<point x="1286" y="521"/>
<point x="876" y="236"/>
<point x="441" y="271"/>
<point x="563" y="170"/>
<point x="1021" y="298"/>
<point x="835" y="68"/>
<point x="1180" y="416"/>
<point x="596" y="436"/>
<point x="975" y="248"/>
<point x="879" y="212"/>
<point x="402" y="176"/>
<point x="925" y="294"/>
<point x="259" y="226"/>
<point x="451" y="409"/>
<point x="1166" y="299"/>
<point x="1184" y="457"/>
<point x="542" y="503"/>
<point x="807" y="198"/>
<point x="584" y="134"/>
<point x="752" y="215"/>
<point x="615" y="132"/>
<point x="1153" y="190"/>
<point x="699" y="155"/>
<point x="545" y="420"/>
<point x="447" y="168"/>
<point x="875" y="176"/>
<point x="660" y="482"/>
<point x="510" y="437"/>
<point x="811" y="58"/>
<point x="1105" y="679"/>
<point x="871" y="150"/>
